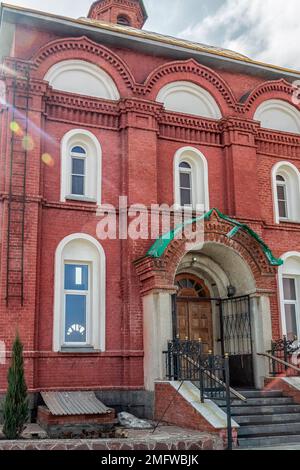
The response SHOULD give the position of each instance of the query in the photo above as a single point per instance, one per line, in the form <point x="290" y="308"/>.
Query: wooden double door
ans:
<point x="194" y="321"/>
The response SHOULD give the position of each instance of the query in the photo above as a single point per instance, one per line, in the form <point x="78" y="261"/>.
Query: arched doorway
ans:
<point x="194" y="310"/>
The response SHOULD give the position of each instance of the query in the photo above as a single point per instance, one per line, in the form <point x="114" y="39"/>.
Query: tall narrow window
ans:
<point x="282" y="197"/>
<point x="290" y="307"/>
<point x="185" y="180"/>
<point x="77" y="303"/>
<point x="78" y="156"/>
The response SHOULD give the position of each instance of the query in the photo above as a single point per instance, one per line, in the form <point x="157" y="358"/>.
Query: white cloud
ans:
<point x="266" y="30"/>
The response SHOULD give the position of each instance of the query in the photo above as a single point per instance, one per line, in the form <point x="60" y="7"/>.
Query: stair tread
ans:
<point x="246" y="442"/>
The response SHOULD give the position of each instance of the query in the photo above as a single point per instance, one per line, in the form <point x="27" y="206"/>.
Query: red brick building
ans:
<point x="97" y="108"/>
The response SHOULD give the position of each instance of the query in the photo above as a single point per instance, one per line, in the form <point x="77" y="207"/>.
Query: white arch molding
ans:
<point x="290" y="268"/>
<point x="93" y="189"/>
<point x="199" y="166"/>
<point x="278" y="115"/>
<point x="81" y="247"/>
<point x="186" y="97"/>
<point x="82" y="77"/>
<point x="291" y="175"/>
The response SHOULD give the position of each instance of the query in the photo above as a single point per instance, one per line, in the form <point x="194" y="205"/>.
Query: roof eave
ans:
<point x="161" y="44"/>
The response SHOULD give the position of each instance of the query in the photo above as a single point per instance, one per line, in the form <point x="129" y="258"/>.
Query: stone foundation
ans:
<point x="165" y="438"/>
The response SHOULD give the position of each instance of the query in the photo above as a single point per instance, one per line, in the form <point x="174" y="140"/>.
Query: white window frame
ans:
<point x="199" y="168"/>
<point x="292" y="274"/>
<point x="79" y="156"/>
<point x="87" y="250"/>
<point x="292" y="302"/>
<point x="93" y="166"/>
<point x="282" y="184"/>
<point x="186" y="171"/>
<point x="88" y="296"/>
<point x="291" y="174"/>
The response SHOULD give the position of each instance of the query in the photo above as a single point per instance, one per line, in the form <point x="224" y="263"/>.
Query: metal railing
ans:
<point x="283" y="357"/>
<point x="186" y="361"/>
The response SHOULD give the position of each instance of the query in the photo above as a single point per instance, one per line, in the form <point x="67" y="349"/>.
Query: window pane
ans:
<point x="78" y="185"/>
<point x="290" y="320"/>
<point x="282" y="209"/>
<point x="184" y="165"/>
<point x="281" y="192"/>
<point x="289" y="289"/>
<point x="75" y="329"/>
<point x="185" y="197"/>
<point x="77" y="166"/>
<point x="76" y="277"/>
<point x="185" y="180"/>
<point x="280" y="178"/>
<point x="78" y="149"/>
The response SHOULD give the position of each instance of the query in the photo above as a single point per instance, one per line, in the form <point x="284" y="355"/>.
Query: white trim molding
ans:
<point x="278" y="115"/>
<point x="290" y="268"/>
<point x="83" y="78"/>
<point x="81" y="248"/>
<point x="93" y="167"/>
<point x="291" y="175"/>
<point x="186" y="97"/>
<point x="199" y="167"/>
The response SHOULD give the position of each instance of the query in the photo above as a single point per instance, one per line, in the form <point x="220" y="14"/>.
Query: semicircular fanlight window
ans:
<point x="189" y="284"/>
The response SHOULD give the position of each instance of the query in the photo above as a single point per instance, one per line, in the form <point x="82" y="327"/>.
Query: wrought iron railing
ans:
<point x="186" y="361"/>
<point x="283" y="355"/>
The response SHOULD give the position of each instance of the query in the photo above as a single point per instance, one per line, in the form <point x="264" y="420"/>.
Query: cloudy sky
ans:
<point x="266" y="30"/>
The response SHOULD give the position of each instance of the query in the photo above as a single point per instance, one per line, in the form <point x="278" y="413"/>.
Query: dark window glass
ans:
<point x="184" y="165"/>
<point x="185" y="197"/>
<point x="185" y="180"/>
<point x="289" y="289"/>
<point x="78" y="149"/>
<point x="123" y="20"/>
<point x="77" y="166"/>
<point x="78" y="185"/>
<point x="280" y="178"/>
<point x="290" y="320"/>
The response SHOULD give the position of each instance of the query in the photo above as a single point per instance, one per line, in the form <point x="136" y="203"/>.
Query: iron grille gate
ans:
<point x="235" y="336"/>
<point x="236" y="339"/>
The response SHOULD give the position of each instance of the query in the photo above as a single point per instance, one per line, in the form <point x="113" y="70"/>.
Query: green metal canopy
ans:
<point x="161" y="244"/>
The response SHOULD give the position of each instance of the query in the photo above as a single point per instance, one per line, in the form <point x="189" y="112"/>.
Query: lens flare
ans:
<point x="28" y="143"/>
<point x="47" y="159"/>
<point x="16" y="128"/>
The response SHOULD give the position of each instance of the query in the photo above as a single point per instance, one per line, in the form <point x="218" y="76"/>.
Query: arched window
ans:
<point x="80" y="166"/>
<point x="286" y="192"/>
<point x="81" y="77"/>
<point x="282" y="197"/>
<point x="278" y="115"/>
<point x="79" y="294"/>
<point x="185" y="176"/>
<point x="188" y="98"/>
<point x="191" y="179"/>
<point x="123" y="20"/>
<point x="289" y="285"/>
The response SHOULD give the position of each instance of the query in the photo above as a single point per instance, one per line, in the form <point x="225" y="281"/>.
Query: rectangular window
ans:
<point x="76" y="300"/>
<point x="78" y="175"/>
<point x="290" y="307"/>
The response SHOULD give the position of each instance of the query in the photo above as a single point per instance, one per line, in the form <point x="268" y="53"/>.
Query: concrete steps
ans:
<point x="267" y="418"/>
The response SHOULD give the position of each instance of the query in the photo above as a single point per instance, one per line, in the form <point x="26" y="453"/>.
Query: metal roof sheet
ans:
<point x="73" y="403"/>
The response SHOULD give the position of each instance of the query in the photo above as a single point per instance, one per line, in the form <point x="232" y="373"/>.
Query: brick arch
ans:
<point x="83" y="48"/>
<point x="190" y="70"/>
<point x="273" y="89"/>
<point x="159" y="273"/>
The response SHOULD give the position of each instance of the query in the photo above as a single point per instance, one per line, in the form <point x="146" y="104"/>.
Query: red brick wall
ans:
<point x="138" y="161"/>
